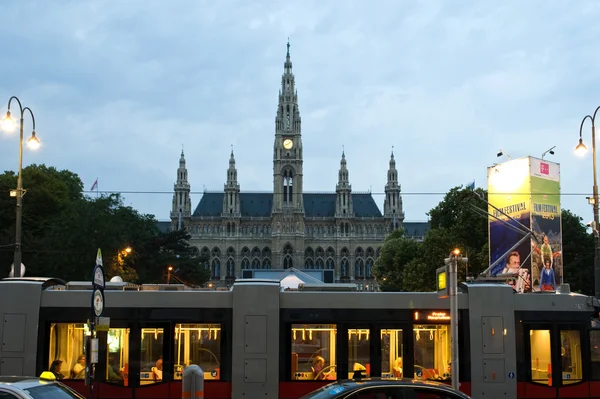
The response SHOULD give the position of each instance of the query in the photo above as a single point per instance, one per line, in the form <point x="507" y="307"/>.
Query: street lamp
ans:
<point x="169" y="270"/>
<point x="580" y="150"/>
<point x="8" y="124"/>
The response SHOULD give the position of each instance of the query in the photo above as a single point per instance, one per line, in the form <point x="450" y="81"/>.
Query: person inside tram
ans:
<point x="157" y="371"/>
<point x="318" y="366"/>
<point x="78" y="371"/>
<point x="114" y="374"/>
<point x="55" y="369"/>
<point x="398" y="367"/>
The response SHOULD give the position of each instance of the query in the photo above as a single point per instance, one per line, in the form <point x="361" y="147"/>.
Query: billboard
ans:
<point x="527" y="190"/>
<point x="546" y="248"/>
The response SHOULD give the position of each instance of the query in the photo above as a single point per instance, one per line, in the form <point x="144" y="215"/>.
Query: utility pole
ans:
<point x="452" y="268"/>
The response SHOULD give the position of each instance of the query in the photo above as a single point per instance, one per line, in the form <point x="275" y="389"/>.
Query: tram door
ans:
<point x="149" y="358"/>
<point x="555" y="353"/>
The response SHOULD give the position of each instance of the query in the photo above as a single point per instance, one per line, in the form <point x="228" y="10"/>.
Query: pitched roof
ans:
<point x="260" y="204"/>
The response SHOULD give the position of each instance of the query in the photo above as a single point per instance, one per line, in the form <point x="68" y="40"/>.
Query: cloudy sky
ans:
<point x="117" y="87"/>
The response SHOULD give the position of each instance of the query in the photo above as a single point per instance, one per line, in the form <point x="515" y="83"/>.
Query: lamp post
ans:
<point x="581" y="149"/>
<point x="451" y="263"/>
<point x="33" y="142"/>
<point x="169" y="270"/>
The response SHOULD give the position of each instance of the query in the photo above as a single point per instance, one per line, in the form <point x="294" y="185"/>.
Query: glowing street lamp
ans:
<point x="8" y="124"/>
<point x="581" y="149"/>
<point x="169" y="270"/>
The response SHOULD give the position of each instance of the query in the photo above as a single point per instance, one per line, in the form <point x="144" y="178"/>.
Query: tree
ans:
<point x="397" y="252"/>
<point x="462" y="214"/>
<point x="578" y="254"/>
<point x="62" y="230"/>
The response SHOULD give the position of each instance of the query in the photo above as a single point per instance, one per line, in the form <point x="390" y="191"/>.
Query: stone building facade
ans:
<point x="341" y="231"/>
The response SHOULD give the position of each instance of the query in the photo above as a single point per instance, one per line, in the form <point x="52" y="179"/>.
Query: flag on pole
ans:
<point x="95" y="185"/>
<point x="471" y="185"/>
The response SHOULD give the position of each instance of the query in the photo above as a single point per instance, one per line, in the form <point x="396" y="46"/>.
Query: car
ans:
<point x="42" y="387"/>
<point x="385" y="388"/>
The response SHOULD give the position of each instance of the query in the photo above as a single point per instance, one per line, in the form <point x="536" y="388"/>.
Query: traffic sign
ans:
<point x="99" y="276"/>
<point x="98" y="302"/>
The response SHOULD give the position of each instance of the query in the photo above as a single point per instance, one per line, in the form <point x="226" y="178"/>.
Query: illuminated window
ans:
<point x="541" y="363"/>
<point x="313" y="352"/>
<point x="391" y="353"/>
<point x="358" y="353"/>
<point x="67" y="349"/>
<point x="151" y="361"/>
<point x="432" y="351"/>
<point x="117" y="365"/>
<point x="198" y="344"/>
<point x="570" y="355"/>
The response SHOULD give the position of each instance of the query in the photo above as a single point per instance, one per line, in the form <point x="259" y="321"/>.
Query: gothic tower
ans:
<point x="288" y="206"/>
<point x="343" y="203"/>
<point x="182" y="204"/>
<point x="392" y="206"/>
<point x="231" y="200"/>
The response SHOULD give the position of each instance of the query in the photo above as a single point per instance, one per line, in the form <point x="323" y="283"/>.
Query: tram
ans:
<point x="256" y="340"/>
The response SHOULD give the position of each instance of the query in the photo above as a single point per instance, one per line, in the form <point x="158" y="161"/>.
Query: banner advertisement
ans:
<point x="527" y="190"/>
<point x="546" y="246"/>
<point x="509" y="190"/>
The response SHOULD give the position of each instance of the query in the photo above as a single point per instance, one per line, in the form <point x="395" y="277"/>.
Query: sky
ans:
<point x="118" y="87"/>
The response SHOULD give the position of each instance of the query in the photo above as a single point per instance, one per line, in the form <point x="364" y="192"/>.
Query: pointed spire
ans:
<point x="182" y="158"/>
<point x="288" y="62"/>
<point x="231" y="159"/>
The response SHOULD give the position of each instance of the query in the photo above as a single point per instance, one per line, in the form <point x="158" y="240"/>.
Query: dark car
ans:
<point x="35" y="388"/>
<point x="386" y="388"/>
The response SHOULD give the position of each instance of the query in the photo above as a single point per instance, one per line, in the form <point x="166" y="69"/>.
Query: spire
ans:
<point x="182" y="203"/>
<point x="392" y="205"/>
<point x="343" y="206"/>
<point x="232" y="171"/>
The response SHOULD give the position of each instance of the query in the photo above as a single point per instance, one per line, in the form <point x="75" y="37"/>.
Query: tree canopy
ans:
<point x="62" y="230"/>
<point x="459" y="221"/>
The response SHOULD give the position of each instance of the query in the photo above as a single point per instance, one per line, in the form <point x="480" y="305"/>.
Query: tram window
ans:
<point x="67" y="345"/>
<point x="117" y="362"/>
<point x="570" y="356"/>
<point x="595" y="353"/>
<point x="432" y="352"/>
<point x="313" y="352"/>
<point x="541" y="363"/>
<point x="198" y="344"/>
<point x="391" y="353"/>
<point x="358" y="353"/>
<point x="151" y="362"/>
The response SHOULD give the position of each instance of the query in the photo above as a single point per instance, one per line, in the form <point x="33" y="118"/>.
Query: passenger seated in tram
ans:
<point x="55" y="369"/>
<point x="78" y="371"/>
<point x="157" y="370"/>
<point x="398" y="368"/>
<point x="319" y="367"/>
<point x="113" y="372"/>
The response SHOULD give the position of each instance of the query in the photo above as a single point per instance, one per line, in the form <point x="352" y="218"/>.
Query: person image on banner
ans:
<point x="513" y="266"/>
<point x="547" y="280"/>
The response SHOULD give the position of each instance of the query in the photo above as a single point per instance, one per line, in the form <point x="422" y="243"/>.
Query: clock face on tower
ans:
<point x="288" y="144"/>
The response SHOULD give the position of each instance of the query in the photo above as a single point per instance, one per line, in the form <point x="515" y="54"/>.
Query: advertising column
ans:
<point x="509" y="190"/>
<point x="546" y="254"/>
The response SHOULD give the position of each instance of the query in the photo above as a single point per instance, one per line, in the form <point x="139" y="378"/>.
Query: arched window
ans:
<point x="308" y="264"/>
<point x="330" y="264"/>
<point x="287" y="262"/>
<point x="319" y="264"/>
<point x="344" y="268"/>
<point x="288" y="185"/>
<point x="230" y="267"/>
<point x="368" y="267"/>
<point x="256" y="263"/>
<point x="216" y="269"/>
<point x="245" y="263"/>
<point x="359" y="270"/>
<point x="266" y="264"/>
